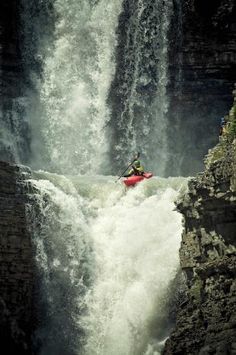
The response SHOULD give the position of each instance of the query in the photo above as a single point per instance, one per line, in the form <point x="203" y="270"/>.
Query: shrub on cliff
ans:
<point x="232" y="121"/>
<point x="229" y="135"/>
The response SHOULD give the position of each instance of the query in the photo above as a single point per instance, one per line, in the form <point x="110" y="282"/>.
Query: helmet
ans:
<point x="137" y="164"/>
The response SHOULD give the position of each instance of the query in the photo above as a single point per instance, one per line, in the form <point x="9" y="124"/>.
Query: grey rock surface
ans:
<point x="202" y="72"/>
<point x="16" y="263"/>
<point x="206" y="321"/>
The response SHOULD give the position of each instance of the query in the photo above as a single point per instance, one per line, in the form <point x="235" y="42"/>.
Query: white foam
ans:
<point x="127" y="240"/>
<point x="77" y="73"/>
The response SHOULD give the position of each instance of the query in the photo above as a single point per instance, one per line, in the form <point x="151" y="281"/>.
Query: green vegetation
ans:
<point x="232" y="121"/>
<point x="228" y="136"/>
<point x="196" y="290"/>
<point x="230" y="129"/>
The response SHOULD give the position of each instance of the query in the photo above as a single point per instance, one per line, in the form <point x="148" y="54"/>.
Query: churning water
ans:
<point x="102" y="92"/>
<point x="106" y="257"/>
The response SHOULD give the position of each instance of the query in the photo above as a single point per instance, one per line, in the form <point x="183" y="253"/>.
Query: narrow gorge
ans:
<point x="88" y="267"/>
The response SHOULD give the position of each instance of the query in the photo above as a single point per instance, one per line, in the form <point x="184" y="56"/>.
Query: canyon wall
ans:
<point x="16" y="263"/>
<point x="202" y="73"/>
<point x="202" y="70"/>
<point x="206" y="321"/>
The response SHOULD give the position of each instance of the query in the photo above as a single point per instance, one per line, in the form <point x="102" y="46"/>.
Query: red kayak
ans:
<point x="134" y="179"/>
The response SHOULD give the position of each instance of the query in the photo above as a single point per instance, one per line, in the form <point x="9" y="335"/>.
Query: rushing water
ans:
<point x="102" y="89"/>
<point x="138" y="95"/>
<point x="106" y="257"/>
<point x="77" y="66"/>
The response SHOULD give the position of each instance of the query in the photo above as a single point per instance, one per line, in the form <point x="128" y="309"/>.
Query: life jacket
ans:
<point x="140" y="170"/>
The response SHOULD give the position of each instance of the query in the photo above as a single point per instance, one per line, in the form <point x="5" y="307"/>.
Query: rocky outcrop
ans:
<point x="16" y="263"/>
<point x="206" y="321"/>
<point x="202" y="73"/>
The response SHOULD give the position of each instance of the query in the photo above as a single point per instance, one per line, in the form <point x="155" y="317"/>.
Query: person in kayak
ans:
<point x="137" y="169"/>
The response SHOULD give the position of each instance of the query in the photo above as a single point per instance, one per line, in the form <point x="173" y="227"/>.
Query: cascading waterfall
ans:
<point x="103" y="85"/>
<point x="106" y="258"/>
<point x="138" y="95"/>
<point x="64" y="259"/>
<point x="14" y="134"/>
<point x="77" y="71"/>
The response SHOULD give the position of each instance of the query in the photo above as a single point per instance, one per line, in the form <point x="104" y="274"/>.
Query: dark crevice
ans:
<point x="207" y="9"/>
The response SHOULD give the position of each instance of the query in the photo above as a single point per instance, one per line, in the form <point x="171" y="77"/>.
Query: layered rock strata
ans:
<point x="16" y="263"/>
<point x="206" y="321"/>
<point x="202" y="70"/>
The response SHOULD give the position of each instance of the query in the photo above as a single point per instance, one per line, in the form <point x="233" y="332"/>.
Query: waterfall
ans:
<point x="77" y="60"/>
<point x="138" y="94"/>
<point x="102" y="86"/>
<point x="106" y="258"/>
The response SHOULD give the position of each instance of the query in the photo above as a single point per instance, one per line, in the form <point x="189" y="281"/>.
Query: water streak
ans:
<point x="138" y="95"/>
<point x="77" y="71"/>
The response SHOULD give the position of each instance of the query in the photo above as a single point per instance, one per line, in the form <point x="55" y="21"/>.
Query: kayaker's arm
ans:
<point x="129" y="174"/>
<point x="122" y="175"/>
<point x="136" y="172"/>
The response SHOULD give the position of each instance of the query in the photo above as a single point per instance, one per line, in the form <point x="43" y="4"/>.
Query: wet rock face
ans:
<point x="202" y="74"/>
<point x="206" y="320"/>
<point x="206" y="11"/>
<point x="16" y="264"/>
<point x="22" y="27"/>
<point x="14" y="130"/>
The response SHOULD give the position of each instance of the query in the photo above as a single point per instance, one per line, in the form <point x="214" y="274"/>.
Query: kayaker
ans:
<point x="137" y="169"/>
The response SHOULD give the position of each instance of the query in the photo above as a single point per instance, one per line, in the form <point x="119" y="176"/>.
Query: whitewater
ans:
<point x="107" y="257"/>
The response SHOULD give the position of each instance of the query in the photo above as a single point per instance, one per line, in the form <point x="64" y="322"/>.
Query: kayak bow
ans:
<point x="134" y="179"/>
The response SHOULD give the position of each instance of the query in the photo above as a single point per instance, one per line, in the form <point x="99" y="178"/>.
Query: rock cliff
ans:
<point x="206" y="321"/>
<point x="202" y="70"/>
<point x="16" y="263"/>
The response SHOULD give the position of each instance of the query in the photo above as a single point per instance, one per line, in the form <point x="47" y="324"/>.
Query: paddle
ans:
<point x="137" y="156"/>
